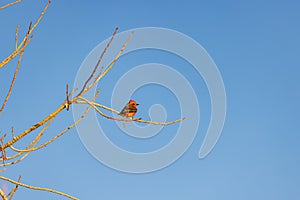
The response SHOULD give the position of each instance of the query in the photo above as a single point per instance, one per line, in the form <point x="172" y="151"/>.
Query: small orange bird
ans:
<point x="130" y="109"/>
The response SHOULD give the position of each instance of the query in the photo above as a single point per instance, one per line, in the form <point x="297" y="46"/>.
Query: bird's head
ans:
<point x="133" y="103"/>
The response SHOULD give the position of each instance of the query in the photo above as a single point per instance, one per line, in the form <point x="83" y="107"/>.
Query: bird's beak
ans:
<point x="137" y="104"/>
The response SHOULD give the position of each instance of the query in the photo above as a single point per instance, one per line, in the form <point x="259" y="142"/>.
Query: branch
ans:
<point x="19" y="50"/>
<point x="58" y="135"/>
<point x="98" y="63"/>
<point x="3" y="156"/>
<point x="95" y="105"/>
<point x="31" y="144"/>
<point x="101" y="75"/>
<point x="63" y="106"/>
<point x="67" y="97"/>
<point x="17" y="37"/>
<point x="4" y="197"/>
<point x="13" y="191"/>
<point x="12" y="83"/>
<point x="157" y="123"/>
<point x="37" y="188"/>
<point x="68" y="102"/>
<point x="34" y="127"/>
<point x="10" y="4"/>
<point x="99" y="111"/>
<point x="21" y="46"/>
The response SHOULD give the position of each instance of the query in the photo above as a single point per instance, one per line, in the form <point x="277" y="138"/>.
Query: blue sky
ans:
<point x="255" y="46"/>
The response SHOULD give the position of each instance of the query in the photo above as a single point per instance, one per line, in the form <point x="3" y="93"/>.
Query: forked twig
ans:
<point x="60" y="134"/>
<point x="98" y="63"/>
<point x="20" y="48"/>
<point x="32" y="143"/>
<point x="13" y="191"/>
<point x="101" y="75"/>
<point x="12" y="83"/>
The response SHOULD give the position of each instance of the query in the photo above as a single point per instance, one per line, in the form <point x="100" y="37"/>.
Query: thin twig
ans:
<point x="12" y="82"/>
<point x="111" y="64"/>
<point x="10" y="4"/>
<point x="17" y="36"/>
<point x="100" y="112"/>
<point x="26" y="42"/>
<point x="84" y="101"/>
<point x="37" y="188"/>
<point x="13" y="191"/>
<point x="23" y="42"/>
<point x="18" y="49"/>
<point x="95" y="105"/>
<point x="67" y="100"/>
<point x="98" y="63"/>
<point x="12" y="132"/>
<point x="3" y="152"/>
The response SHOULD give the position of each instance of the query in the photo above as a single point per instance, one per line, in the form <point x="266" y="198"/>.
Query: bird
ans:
<point x="129" y="109"/>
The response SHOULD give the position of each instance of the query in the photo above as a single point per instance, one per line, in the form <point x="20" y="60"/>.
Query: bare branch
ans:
<point x="92" y="80"/>
<point x="34" y="127"/>
<point x="61" y="133"/>
<point x="98" y="63"/>
<point x="67" y="99"/>
<point x="95" y="105"/>
<point x="17" y="37"/>
<point x="10" y="4"/>
<point x="31" y="144"/>
<point x="63" y="106"/>
<point x="100" y="76"/>
<point x="21" y="46"/>
<point x="99" y="111"/>
<point x="3" y="152"/>
<point x="13" y="191"/>
<point x="12" y="132"/>
<point x="4" y="197"/>
<point x="157" y="123"/>
<point x="12" y="83"/>
<point x="37" y="188"/>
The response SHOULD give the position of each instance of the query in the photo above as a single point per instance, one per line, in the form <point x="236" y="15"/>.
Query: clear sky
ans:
<point x="255" y="45"/>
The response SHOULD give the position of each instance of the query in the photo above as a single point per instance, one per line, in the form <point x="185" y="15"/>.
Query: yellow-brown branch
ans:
<point x="58" y="135"/>
<point x="12" y="82"/>
<point x="13" y="191"/>
<point x="95" y="105"/>
<point x="22" y="44"/>
<point x="10" y="4"/>
<point x="30" y="145"/>
<point x="34" y="127"/>
<point x="37" y="188"/>
<point x="4" y="197"/>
